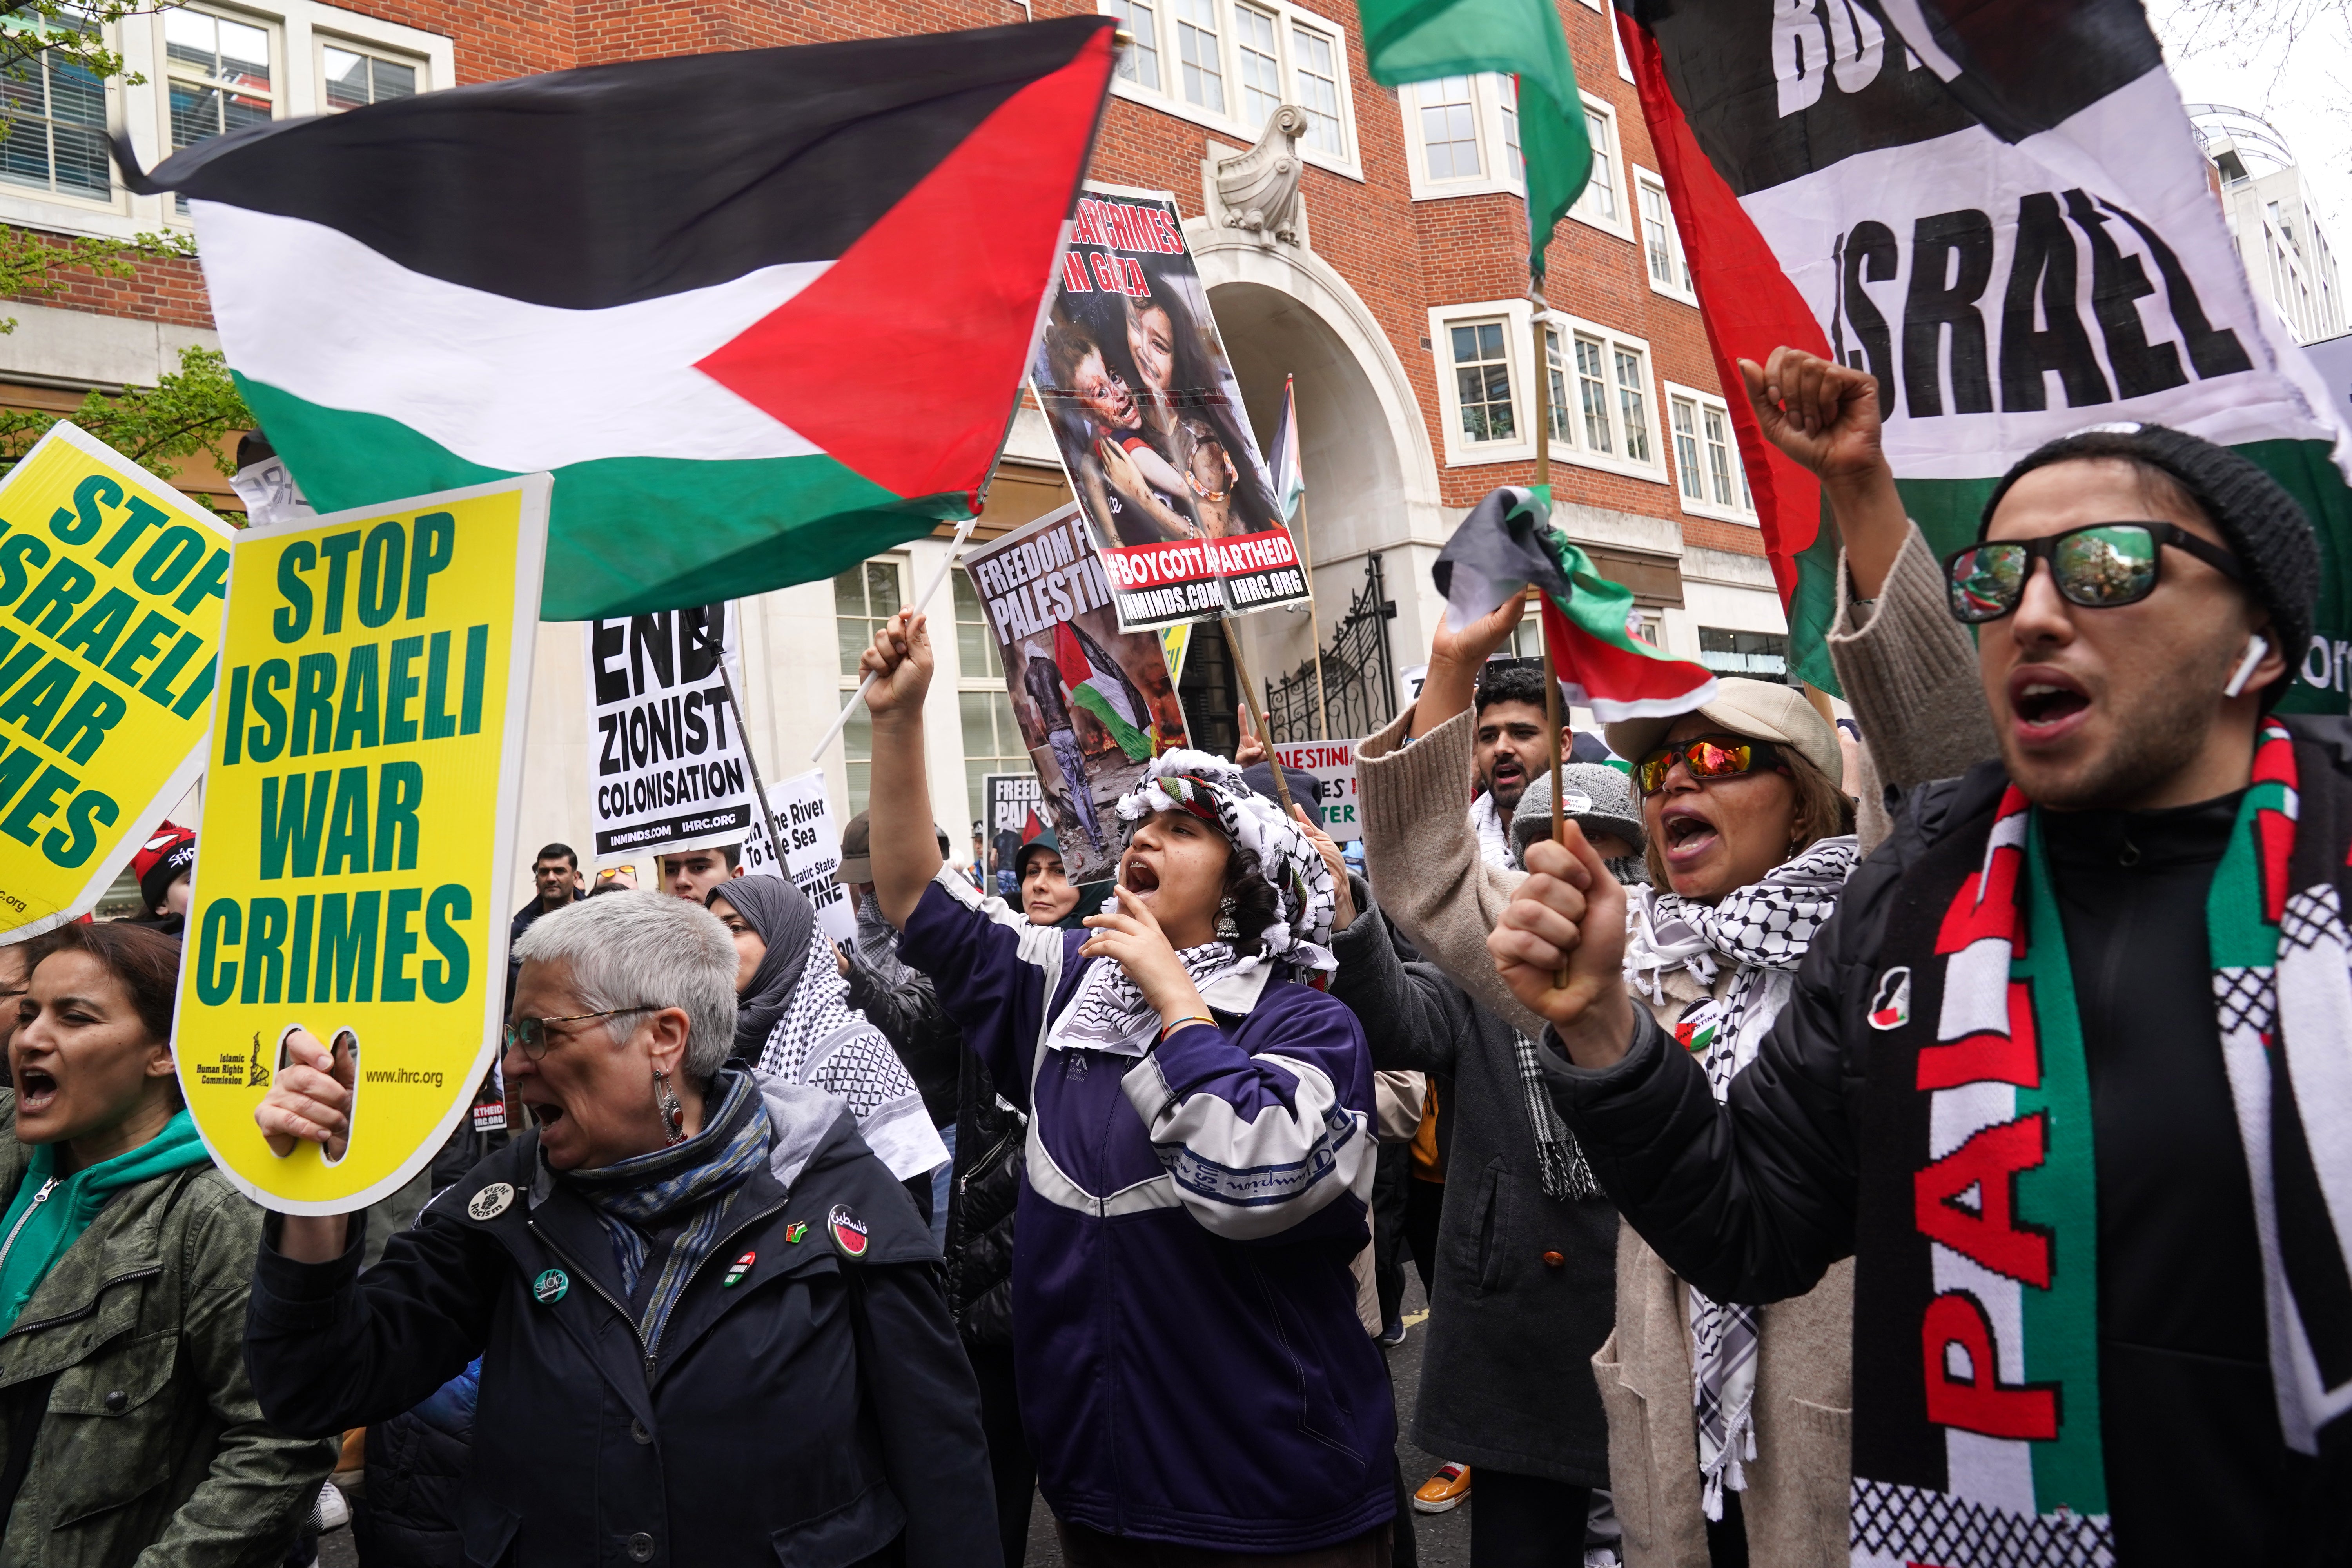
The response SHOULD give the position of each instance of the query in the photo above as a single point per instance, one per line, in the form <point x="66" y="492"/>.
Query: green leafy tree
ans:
<point x="186" y="412"/>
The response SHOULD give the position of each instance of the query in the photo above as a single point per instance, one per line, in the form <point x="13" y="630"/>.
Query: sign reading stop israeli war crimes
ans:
<point x="111" y="582"/>
<point x="803" y="815"/>
<point x="669" y="773"/>
<point x="358" y="828"/>
<point x="1150" y="424"/>
<point x="1333" y="764"/>
<point x="1094" y="704"/>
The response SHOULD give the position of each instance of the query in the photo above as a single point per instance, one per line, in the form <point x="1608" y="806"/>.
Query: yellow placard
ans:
<point x="358" y="829"/>
<point x="111" y="588"/>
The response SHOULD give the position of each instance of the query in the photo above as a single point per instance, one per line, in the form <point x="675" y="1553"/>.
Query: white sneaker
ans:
<point x="333" y="1511"/>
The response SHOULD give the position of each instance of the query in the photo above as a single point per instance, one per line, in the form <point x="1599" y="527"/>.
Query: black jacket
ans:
<point x="408" y="1514"/>
<point x="818" y="1410"/>
<point x="1752" y="1200"/>
<point x="986" y="1180"/>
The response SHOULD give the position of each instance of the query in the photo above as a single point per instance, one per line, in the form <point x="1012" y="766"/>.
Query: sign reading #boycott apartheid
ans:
<point x="1150" y="424"/>
<point x="803" y="815"/>
<point x="358" y="828"/>
<point x="114" y="581"/>
<point x="1333" y="764"/>
<point x="670" y="774"/>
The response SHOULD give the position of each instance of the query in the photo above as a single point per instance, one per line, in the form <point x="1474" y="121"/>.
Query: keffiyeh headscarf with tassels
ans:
<point x="1108" y="1013"/>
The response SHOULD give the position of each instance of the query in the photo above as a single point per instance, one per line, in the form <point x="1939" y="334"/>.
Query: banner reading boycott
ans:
<point x="105" y="668"/>
<point x="670" y="775"/>
<point x="2015" y="241"/>
<point x="803" y="815"/>
<point x="358" y="828"/>
<point x="1150" y="423"/>
<point x="1333" y="764"/>
<point x="1094" y="703"/>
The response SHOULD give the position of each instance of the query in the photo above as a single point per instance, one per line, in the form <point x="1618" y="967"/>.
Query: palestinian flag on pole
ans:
<point x="2016" y="239"/>
<point x="762" y="313"/>
<point x="1426" y="40"/>
<point x="1508" y="544"/>
<point x="1102" y="691"/>
<point x="1282" y="460"/>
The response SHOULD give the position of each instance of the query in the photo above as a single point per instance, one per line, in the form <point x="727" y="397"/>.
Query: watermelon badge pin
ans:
<point x="848" y="1231"/>
<point x="736" y="1269"/>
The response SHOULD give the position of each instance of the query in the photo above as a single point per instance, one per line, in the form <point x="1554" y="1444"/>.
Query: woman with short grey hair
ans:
<point x="675" y="1267"/>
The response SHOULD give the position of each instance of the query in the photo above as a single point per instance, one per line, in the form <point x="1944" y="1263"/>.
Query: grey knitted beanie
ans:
<point x="2266" y="528"/>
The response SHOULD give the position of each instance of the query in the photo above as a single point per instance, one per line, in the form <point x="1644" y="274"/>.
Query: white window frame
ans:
<point x="1486" y="108"/>
<point x="1647" y="181"/>
<point x="1623" y="228"/>
<point x="1169" y="97"/>
<point x="1517" y="316"/>
<point x="91" y="211"/>
<point x="322" y="42"/>
<point x="1703" y="505"/>
<point x="846" y="686"/>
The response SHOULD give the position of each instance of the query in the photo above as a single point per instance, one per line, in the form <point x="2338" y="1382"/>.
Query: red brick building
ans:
<point x="1400" y="306"/>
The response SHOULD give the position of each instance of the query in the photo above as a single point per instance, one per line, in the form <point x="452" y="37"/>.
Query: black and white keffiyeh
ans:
<point x="1761" y="932"/>
<point x="1494" y="836"/>
<point x="1560" y="1159"/>
<point x="1110" y="1012"/>
<point x="824" y="1042"/>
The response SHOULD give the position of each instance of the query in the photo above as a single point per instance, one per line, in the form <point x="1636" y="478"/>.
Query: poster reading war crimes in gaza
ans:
<point x="670" y="767"/>
<point x="1150" y="423"/>
<point x="1094" y="703"/>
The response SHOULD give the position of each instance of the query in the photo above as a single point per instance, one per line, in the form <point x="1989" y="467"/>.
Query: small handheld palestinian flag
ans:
<point x="762" y="312"/>
<point x="1508" y="542"/>
<point x="1282" y="460"/>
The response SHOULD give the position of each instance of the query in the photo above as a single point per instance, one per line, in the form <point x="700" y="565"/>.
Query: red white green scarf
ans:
<point x="1976" y="1346"/>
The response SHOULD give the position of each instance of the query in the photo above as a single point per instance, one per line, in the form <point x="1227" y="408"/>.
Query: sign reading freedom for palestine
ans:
<point x="670" y="775"/>
<point x="358" y="828"/>
<point x="113" y="582"/>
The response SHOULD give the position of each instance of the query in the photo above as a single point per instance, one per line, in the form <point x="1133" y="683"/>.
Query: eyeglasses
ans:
<point x="529" y="1034"/>
<point x="2100" y="567"/>
<point x="1707" y="757"/>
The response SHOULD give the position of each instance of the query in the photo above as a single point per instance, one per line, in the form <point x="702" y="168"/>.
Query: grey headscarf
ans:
<point x="783" y="917"/>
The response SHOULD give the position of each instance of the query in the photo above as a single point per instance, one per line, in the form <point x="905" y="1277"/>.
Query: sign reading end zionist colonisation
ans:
<point x="358" y="828"/>
<point x="111" y="582"/>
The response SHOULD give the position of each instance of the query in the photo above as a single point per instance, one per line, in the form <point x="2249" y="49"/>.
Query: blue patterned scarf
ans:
<point x="641" y="1195"/>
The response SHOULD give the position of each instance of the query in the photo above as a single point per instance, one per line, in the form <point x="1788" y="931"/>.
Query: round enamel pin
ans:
<point x="491" y="1201"/>
<point x="550" y="1287"/>
<point x="848" y="1231"/>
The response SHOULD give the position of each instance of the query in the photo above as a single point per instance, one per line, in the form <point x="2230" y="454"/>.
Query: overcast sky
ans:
<point x="2302" y="89"/>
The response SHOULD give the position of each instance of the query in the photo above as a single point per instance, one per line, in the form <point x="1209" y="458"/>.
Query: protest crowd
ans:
<point x="1909" y="1129"/>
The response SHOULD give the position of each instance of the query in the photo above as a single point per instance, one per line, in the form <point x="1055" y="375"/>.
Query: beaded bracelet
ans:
<point x="1168" y="1029"/>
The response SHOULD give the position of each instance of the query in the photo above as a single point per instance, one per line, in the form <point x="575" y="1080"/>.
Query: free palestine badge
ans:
<point x="1891" y="1008"/>
<point x="848" y="1231"/>
<point x="491" y="1201"/>
<point x="736" y="1269"/>
<point x="550" y="1287"/>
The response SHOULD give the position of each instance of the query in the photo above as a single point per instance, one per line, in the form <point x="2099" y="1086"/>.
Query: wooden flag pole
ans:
<point x="1551" y="673"/>
<point x="1314" y="621"/>
<point x="1257" y="715"/>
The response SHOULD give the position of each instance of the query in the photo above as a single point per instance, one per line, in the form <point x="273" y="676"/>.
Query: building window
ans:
<point x="354" y="78"/>
<point x="1662" y="245"/>
<point x="1632" y="404"/>
<point x="992" y="742"/>
<point x="863" y="598"/>
<point x="220" y="76"/>
<point x="1261" y="69"/>
<point x="1592" y="392"/>
<point x="56" y="113"/>
<point x="1707" y="469"/>
<point x="1760" y="656"/>
<point x="1557" y="368"/>
<point x="1482" y="381"/>
<point x="1506" y="100"/>
<point x="1140" y="61"/>
<point x="1449" y="128"/>
<point x="1718" y="455"/>
<point x="1319" y="87"/>
<point x="1599" y="202"/>
<point x="1685" y="416"/>
<point x="1196" y="48"/>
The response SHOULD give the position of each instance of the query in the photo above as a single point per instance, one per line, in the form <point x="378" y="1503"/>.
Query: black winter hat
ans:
<point x="2267" y="530"/>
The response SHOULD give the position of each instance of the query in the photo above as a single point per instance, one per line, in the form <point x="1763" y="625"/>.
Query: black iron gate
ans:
<point x="1360" y="691"/>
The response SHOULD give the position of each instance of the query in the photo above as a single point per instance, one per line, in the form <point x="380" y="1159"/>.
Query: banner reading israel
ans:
<point x="1094" y="703"/>
<point x="669" y="772"/>
<point x="359" y="827"/>
<point x="105" y="668"/>
<point x="2016" y="242"/>
<point x="1150" y="422"/>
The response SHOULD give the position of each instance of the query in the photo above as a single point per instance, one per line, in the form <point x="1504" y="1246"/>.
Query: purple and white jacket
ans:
<point x="1184" y="1327"/>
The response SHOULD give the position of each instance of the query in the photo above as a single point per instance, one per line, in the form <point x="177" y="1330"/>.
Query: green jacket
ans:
<point x="125" y="1373"/>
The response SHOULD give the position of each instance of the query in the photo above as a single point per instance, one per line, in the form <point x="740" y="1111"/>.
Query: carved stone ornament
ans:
<point x="1258" y="190"/>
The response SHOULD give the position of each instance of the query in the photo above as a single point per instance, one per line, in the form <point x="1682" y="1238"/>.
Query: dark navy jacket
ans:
<point x="1190" y="1364"/>
<point x="818" y="1411"/>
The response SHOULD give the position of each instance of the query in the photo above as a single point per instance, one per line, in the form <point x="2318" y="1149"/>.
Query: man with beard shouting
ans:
<point x="1509" y="750"/>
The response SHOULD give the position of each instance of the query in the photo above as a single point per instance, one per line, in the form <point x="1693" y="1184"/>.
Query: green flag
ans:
<point x="1422" y="41"/>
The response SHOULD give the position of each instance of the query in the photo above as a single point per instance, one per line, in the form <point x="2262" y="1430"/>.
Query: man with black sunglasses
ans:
<point x="2070" y="1074"/>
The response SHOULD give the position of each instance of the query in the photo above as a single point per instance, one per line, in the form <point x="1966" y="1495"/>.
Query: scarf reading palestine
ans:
<point x="1762" y="933"/>
<point x="1976" y="1310"/>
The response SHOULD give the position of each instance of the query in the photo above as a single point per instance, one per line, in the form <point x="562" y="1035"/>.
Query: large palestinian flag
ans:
<point x="762" y="313"/>
<point x="2000" y="210"/>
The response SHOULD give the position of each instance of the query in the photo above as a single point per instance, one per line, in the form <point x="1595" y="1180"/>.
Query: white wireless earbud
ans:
<point x="2256" y="646"/>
